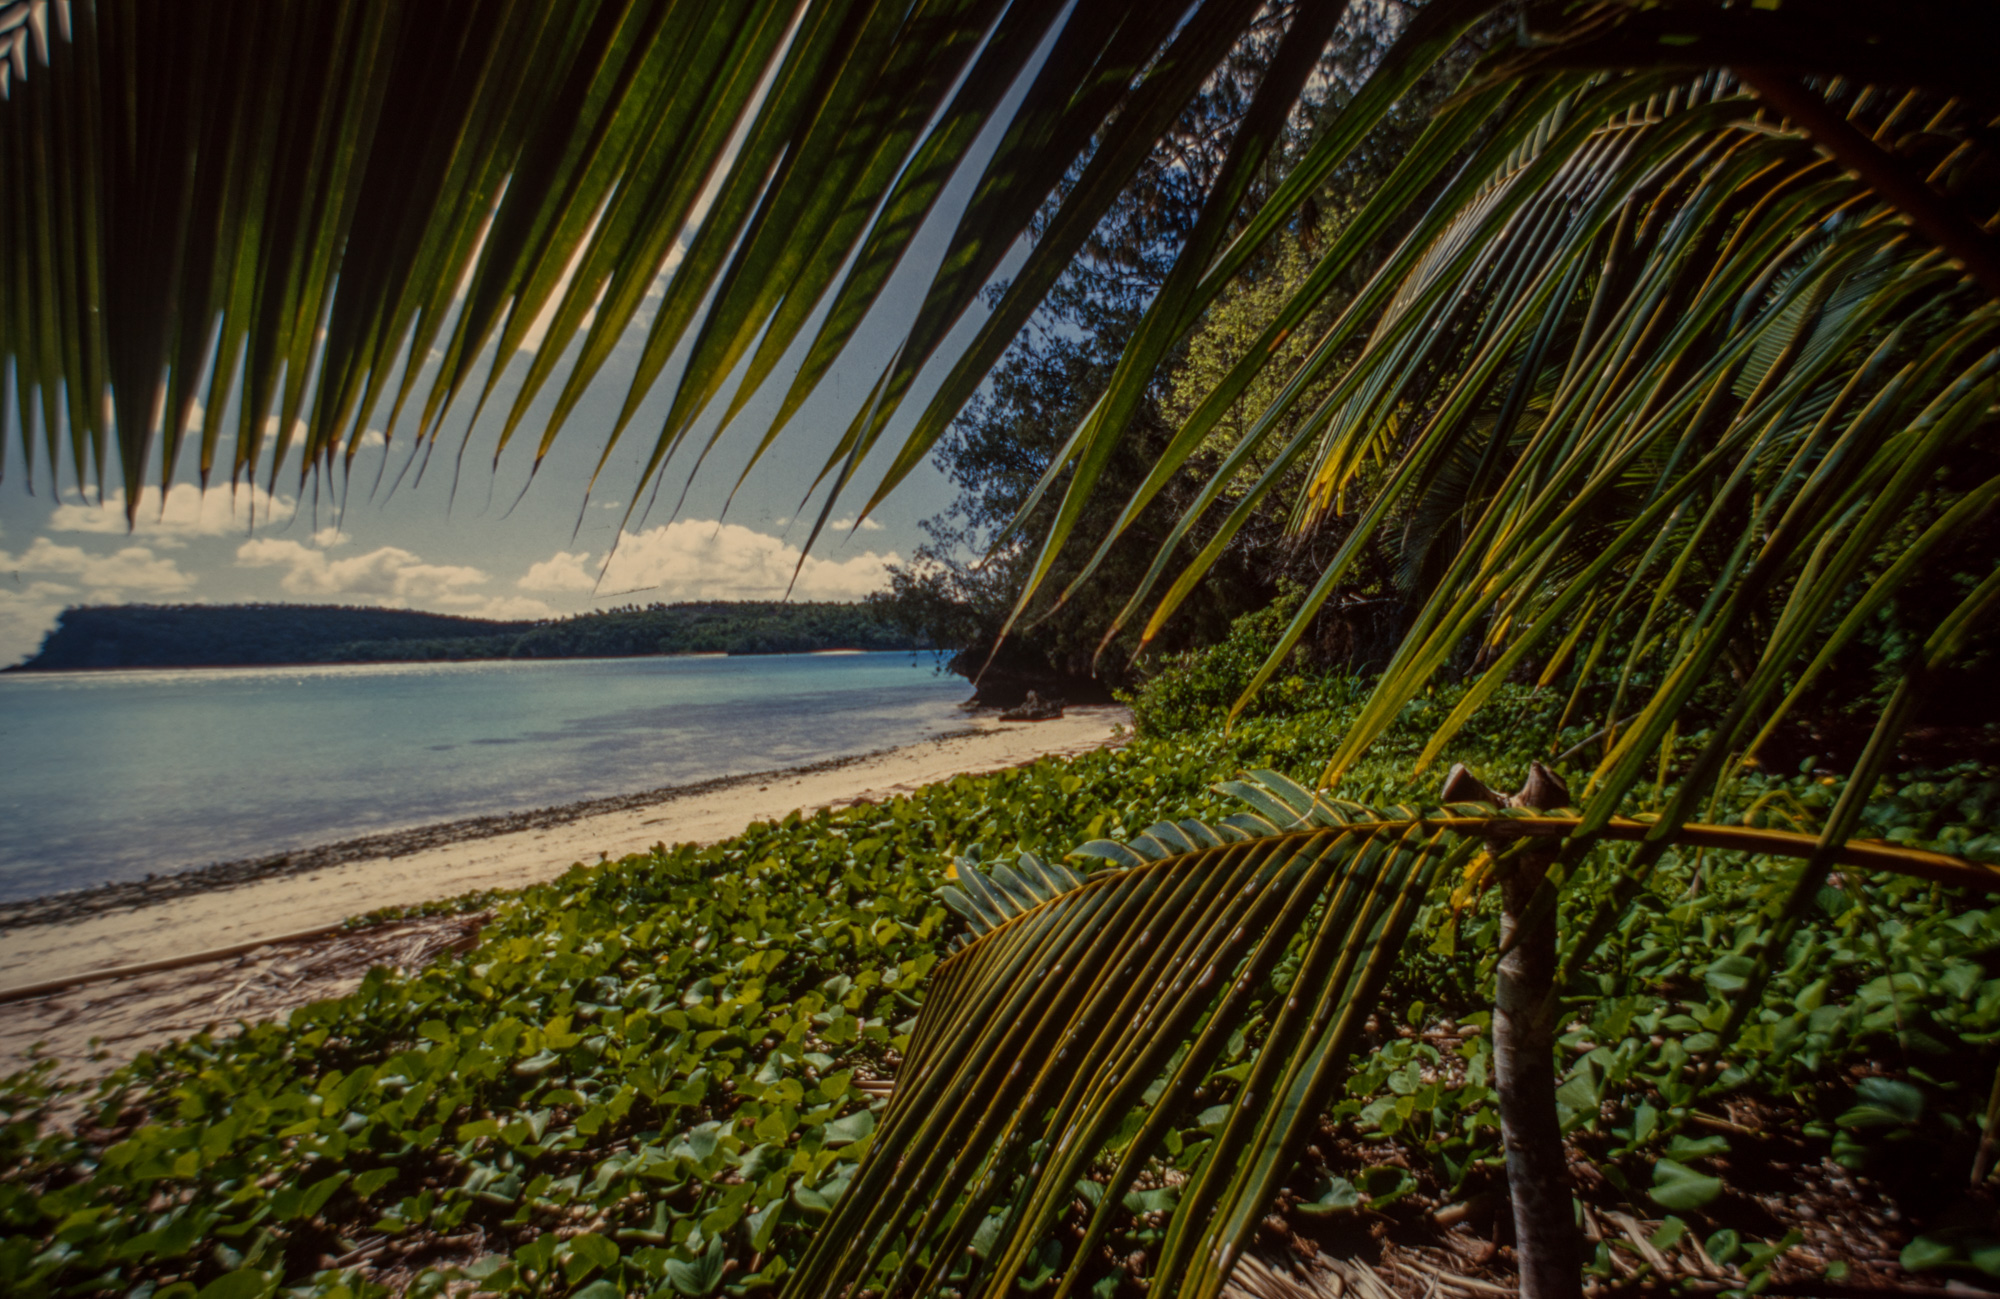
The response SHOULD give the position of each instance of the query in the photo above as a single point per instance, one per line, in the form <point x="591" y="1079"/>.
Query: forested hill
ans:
<point x="146" y="635"/>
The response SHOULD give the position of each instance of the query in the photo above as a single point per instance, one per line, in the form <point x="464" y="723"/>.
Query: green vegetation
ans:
<point x="197" y="635"/>
<point x="1194" y="691"/>
<point x="651" y="1076"/>
<point x="200" y="635"/>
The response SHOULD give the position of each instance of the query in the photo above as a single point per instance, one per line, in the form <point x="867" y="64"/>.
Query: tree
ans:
<point x="1672" y="385"/>
<point x="961" y="586"/>
<point x="1001" y="447"/>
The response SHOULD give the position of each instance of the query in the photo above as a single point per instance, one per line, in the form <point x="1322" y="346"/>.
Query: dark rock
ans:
<point x="1034" y="709"/>
<point x="1004" y="680"/>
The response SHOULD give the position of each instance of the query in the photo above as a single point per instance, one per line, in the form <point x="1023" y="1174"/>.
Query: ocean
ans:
<point x="110" y="776"/>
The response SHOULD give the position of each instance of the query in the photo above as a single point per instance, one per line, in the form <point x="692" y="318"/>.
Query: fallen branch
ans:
<point x="47" y="986"/>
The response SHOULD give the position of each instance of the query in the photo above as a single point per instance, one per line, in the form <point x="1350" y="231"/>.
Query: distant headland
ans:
<point x="242" y="635"/>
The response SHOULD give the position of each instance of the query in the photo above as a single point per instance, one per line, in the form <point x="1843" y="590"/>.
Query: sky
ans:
<point x="487" y="549"/>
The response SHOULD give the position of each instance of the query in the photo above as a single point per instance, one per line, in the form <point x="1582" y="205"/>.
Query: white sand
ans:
<point x="270" y="907"/>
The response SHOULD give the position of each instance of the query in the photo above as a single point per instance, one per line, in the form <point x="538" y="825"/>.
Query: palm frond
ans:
<point x="1633" y="298"/>
<point x="1647" y="359"/>
<point x="331" y="214"/>
<point x="1731" y="340"/>
<point x="1863" y="43"/>
<point x="1108" y="1005"/>
<point x="990" y="897"/>
<point x="1059" y="1047"/>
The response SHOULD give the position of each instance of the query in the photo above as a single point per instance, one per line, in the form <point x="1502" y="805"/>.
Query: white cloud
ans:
<point x="843" y="525"/>
<point x="388" y="576"/>
<point x="374" y="437"/>
<point x="649" y="306"/>
<point x="190" y="512"/>
<point x="328" y="538"/>
<point x="133" y="570"/>
<point x="47" y="577"/>
<point x="26" y="615"/>
<point x="701" y="560"/>
<point x="563" y="572"/>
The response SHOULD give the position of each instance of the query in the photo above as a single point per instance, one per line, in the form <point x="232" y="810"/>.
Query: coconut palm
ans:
<point x="1065" y="1042"/>
<point x="1673" y="362"/>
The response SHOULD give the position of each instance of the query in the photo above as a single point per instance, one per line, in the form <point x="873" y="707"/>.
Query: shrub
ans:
<point x="1195" y="690"/>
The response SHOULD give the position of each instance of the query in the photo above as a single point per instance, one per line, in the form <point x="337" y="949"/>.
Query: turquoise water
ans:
<point x="112" y="775"/>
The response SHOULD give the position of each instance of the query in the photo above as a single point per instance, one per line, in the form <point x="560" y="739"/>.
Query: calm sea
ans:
<point x="111" y="775"/>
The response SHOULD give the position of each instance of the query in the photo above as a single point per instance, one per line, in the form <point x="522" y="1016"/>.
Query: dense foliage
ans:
<point x="201" y="635"/>
<point x="196" y="635"/>
<point x="1194" y="690"/>
<point x="960" y="586"/>
<point x="1006" y="446"/>
<point x="692" y="627"/>
<point x="653" y="1076"/>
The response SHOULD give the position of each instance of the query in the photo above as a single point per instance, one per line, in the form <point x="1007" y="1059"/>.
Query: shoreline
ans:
<point x="89" y="900"/>
<point x="64" y="935"/>
<point x="26" y="668"/>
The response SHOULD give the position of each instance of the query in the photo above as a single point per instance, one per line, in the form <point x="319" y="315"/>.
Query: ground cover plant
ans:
<point x="659" y="1075"/>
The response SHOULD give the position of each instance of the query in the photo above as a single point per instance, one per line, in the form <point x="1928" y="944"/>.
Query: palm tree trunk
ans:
<point x="1524" y="1053"/>
<point x="1545" y="1235"/>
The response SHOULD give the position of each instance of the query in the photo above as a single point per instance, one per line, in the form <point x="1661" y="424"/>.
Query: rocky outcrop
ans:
<point x="1034" y="709"/>
<point x="1009" y="677"/>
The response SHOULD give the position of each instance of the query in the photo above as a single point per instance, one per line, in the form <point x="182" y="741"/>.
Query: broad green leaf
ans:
<point x="1681" y="1189"/>
<point x="1884" y="1102"/>
<point x="700" y="1276"/>
<point x="851" y="1128"/>
<point x="1338" y="1197"/>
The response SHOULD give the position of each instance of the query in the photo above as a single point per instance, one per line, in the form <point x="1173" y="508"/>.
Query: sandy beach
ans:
<point x="75" y="935"/>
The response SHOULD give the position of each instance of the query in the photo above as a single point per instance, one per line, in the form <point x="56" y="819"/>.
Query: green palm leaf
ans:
<point x="1648" y="345"/>
<point x="295" y="204"/>
<point x="1058" y="1048"/>
<point x="1051" y="1030"/>
<point x="1669" y="330"/>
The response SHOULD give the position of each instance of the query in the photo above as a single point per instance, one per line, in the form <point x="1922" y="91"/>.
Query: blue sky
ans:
<point x="476" y="551"/>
